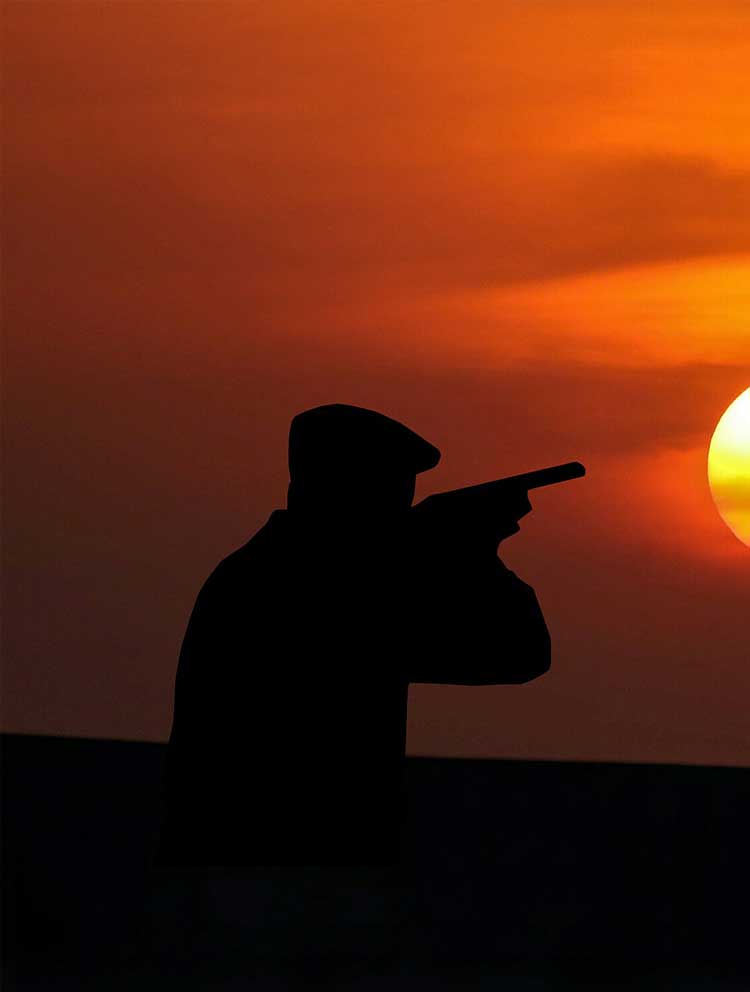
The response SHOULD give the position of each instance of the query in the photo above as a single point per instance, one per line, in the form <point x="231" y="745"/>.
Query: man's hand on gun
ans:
<point x="478" y="518"/>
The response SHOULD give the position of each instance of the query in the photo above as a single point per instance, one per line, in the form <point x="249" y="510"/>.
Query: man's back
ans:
<point x="290" y="708"/>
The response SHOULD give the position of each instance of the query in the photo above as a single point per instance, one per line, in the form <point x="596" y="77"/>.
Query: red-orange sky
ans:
<point x="522" y="228"/>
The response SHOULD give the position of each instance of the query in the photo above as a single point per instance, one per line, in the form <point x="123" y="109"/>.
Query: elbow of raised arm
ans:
<point x="536" y="663"/>
<point x="533" y="672"/>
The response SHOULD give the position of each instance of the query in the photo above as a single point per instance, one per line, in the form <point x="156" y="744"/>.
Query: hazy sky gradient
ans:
<point x="523" y="228"/>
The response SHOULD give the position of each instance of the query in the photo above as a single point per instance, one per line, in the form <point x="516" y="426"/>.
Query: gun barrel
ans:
<point x="546" y="476"/>
<point x="526" y="480"/>
<point x="481" y="498"/>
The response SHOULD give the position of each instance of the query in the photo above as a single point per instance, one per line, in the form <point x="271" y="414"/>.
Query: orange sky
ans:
<point x="522" y="228"/>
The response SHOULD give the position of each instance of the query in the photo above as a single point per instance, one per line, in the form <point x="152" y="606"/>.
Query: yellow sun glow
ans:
<point x="729" y="467"/>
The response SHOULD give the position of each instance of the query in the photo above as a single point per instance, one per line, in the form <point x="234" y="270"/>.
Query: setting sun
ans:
<point x="729" y="467"/>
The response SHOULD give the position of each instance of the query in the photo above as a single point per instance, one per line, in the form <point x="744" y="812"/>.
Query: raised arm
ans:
<point x="484" y="627"/>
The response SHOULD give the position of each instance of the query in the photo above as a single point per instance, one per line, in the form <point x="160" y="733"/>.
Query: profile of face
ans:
<point x="364" y="499"/>
<point x="382" y="497"/>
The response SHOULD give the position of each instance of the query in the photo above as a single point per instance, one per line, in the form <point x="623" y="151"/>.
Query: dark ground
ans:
<point x="524" y="875"/>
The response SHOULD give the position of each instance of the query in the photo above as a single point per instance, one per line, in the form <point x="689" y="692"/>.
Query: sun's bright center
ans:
<point x="729" y="467"/>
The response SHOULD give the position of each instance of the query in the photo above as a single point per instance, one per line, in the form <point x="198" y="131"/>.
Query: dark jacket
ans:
<point x="289" y="729"/>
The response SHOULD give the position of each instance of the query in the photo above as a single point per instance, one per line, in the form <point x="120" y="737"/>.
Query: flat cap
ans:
<point x="339" y="438"/>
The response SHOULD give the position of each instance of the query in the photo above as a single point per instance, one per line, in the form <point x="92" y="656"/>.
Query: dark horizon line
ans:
<point x="74" y="738"/>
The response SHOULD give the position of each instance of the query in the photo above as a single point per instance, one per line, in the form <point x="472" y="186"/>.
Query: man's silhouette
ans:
<point x="289" y="732"/>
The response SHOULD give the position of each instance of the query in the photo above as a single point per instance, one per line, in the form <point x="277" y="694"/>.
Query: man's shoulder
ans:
<point x="267" y="540"/>
<point x="255" y="558"/>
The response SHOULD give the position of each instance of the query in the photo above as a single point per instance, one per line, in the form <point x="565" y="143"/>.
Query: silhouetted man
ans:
<point x="289" y="727"/>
